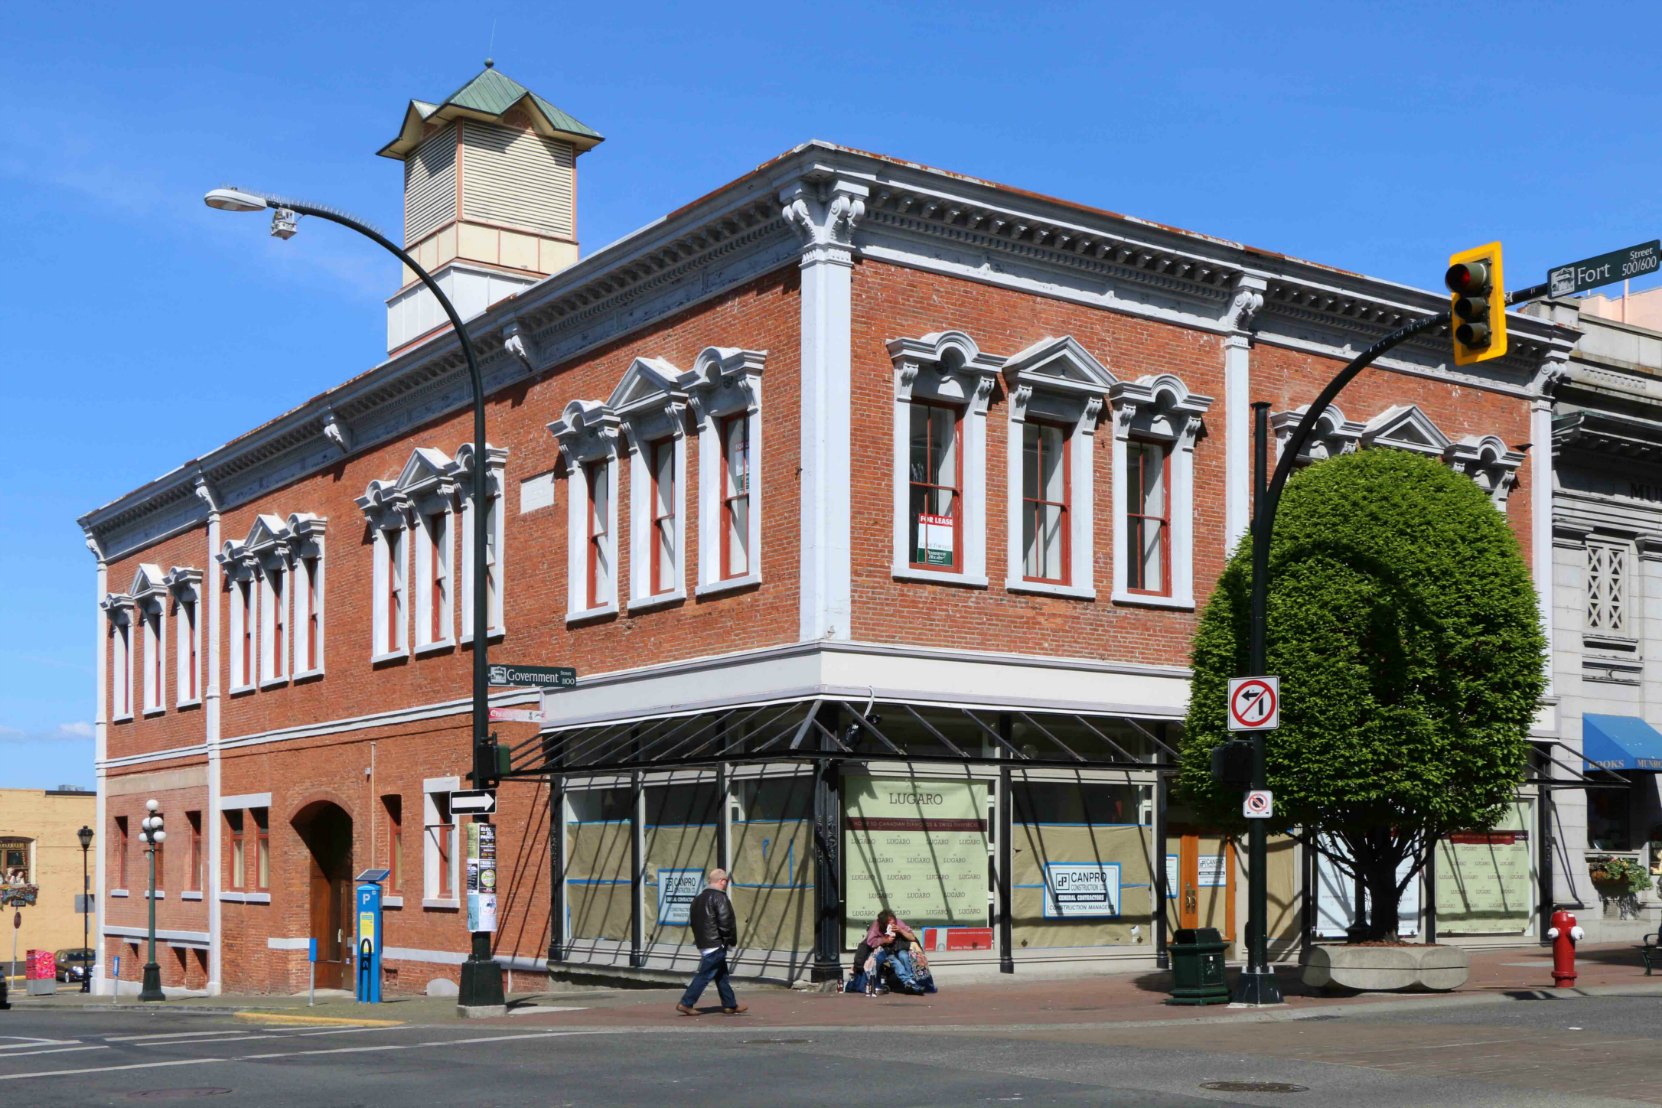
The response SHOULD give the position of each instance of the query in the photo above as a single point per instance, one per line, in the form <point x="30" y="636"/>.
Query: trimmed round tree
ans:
<point x="1403" y="625"/>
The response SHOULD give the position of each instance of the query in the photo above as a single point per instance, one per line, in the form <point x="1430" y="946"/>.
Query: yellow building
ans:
<point x="38" y="843"/>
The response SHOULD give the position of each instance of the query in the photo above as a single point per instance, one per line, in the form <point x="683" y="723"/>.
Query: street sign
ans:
<point x="478" y="801"/>
<point x="542" y="677"/>
<point x="517" y="715"/>
<point x="1259" y="804"/>
<point x="1254" y="703"/>
<point x="1605" y="269"/>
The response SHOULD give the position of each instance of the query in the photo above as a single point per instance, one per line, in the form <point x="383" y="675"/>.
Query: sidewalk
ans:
<point x="1496" y="976"/>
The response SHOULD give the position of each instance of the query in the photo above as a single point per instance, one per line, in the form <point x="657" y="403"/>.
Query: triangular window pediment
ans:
<point x="648" y="386"/>
<point x="268" y="531"/>
<point x="147" y="581"/>
<point x="1405" y="427"/>
<point x="425" y="468"/>
<point x="1061" y="363"/>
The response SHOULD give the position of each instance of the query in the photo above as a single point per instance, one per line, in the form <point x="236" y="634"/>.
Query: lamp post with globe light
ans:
<point x="85" y="835"/>
<point x="152" y="835"/>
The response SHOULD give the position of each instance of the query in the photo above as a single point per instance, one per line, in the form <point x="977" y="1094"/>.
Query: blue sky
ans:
<point x="143" y="329"/>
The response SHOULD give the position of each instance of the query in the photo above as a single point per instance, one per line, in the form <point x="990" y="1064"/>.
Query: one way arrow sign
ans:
<point x="478" y="801"/>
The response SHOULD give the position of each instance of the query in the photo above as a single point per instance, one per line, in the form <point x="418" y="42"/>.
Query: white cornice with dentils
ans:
<point x="916" y="216"/>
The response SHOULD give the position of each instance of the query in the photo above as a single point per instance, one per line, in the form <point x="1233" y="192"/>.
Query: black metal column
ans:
<point x="1428" y="902"/>
<point x="556" y="867"/>
<point x="828" y="841"/>
<point x="637" y="872"/>
<point x="1162" y="901"/>
<point x="724" y="814"/>
<point x="1002" y="856"/>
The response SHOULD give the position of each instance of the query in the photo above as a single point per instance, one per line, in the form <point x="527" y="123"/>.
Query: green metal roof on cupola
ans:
<point x="490" y="95"/>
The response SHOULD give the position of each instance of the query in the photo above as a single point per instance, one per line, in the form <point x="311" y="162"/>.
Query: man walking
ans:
<point x="714" y="930"/>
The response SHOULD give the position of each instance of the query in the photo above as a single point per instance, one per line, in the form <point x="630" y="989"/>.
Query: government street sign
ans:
<point x="1605" y="269"/>
<point x="541" y="677"/>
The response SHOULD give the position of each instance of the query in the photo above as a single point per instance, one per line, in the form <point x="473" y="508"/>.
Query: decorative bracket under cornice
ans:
<point x="824" y="214"/>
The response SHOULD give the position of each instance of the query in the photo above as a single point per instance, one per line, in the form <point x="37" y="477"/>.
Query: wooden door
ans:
<point x="329" y="899"/>
<point x="1205" y="883"/>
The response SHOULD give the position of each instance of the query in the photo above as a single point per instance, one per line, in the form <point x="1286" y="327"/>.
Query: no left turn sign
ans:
<point x="1254" y="703"/>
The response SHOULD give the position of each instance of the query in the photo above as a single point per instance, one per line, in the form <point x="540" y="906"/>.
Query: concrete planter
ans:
<point x="1387" y="968"/>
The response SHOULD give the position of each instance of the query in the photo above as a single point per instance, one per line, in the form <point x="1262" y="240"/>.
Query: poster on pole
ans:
<point x="481" y="877"/>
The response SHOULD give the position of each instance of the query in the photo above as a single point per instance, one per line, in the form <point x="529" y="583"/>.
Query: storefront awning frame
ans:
<point x="794" y="730"/>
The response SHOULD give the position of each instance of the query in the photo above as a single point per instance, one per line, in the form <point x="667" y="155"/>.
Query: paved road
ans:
<point x="1468" y="1055"/>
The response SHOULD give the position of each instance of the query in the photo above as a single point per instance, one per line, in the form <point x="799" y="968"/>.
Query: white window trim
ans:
<point x="184" y="585"/>
<point x="244" y="613"/>
<point x="1488" y="461"/>
<point x="1059" y="381"/>
<point x="946" y="367"/>
<point x="272" y="647"/>
<point x="307" y="531"/>
<point x="725" y="382"/>
<point x="149" y="595"/>
<point x="118" y="611"/>
<point x="496" y="461"/>
<point x="652" y="407"/>
<point x="588" y="433"/>
<point x="1158" y="407"/>
<point x="431" y="787"/>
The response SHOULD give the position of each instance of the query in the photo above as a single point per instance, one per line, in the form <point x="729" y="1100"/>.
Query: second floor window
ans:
<point x="936" y="475"/>
<point x="392" y="584"/>
<point x="1607" y="588"/>
<point x="238" y="855"/>
<point x="663" y="562"/>
<point x="187" y="651"/>
<point x="122" y="847"/>
<point x="597" y="477"/>
<point x="1045" y="525"/>
<point x="1148" y="517"/>
<point x="735" y="495"/>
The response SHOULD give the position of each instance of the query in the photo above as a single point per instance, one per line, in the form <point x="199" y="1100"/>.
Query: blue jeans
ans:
<point x="711" y="967"/>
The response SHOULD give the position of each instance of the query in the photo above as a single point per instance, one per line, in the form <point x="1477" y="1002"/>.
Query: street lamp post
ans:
<point x="481" y="984"/>
<point x="152" y="834"/>
<point x="85" y="835"/>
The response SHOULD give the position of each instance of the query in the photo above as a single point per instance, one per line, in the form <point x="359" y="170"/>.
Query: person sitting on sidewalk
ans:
<point x="888" y="938"/>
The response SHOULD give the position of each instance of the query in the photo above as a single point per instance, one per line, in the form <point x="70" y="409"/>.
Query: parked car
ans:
<point x="75" y="963"/>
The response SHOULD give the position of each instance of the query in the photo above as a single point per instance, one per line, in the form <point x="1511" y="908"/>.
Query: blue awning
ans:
<point x="1621" y="742"/>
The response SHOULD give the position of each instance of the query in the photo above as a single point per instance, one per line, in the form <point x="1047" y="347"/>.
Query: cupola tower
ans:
<point x="490" y="198"/>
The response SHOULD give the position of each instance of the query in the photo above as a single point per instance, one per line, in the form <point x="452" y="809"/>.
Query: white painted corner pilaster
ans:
<point x="1237" y="405"/>
<point x="100" y="748"/>
<point x="210" y="725"/>
<point x="824" y="212"/>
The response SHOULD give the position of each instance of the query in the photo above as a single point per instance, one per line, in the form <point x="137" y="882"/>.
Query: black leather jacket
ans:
<point x="712" y="920"/>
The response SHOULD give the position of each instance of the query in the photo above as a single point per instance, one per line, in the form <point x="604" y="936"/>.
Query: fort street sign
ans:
<point x="542" y="677"/>
<point x="1606" y="269"/>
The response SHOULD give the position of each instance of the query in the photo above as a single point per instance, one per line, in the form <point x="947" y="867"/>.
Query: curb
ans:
<point x="307" y="1021"/>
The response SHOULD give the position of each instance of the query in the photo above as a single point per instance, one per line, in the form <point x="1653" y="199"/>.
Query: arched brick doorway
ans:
<point x="326" y="829"/>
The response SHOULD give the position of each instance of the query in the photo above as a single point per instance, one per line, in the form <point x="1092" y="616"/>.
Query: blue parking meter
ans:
<point x="369" y="936"/>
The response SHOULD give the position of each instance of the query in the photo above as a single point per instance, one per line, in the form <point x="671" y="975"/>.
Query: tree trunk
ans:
<point x="1381" y="879"/>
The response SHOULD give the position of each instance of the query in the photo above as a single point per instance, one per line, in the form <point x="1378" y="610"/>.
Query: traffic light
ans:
<point x="1479" y="304"/>
<point x="1232" y="764"/>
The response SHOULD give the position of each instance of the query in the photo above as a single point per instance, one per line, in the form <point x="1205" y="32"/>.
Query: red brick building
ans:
<point x="873" y="504"/>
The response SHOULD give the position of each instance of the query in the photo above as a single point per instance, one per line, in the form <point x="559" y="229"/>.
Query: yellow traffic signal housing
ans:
<point x="1478" y="302"/>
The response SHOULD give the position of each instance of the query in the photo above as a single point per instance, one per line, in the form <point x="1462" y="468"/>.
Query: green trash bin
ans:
<point x="1197" y="967"/>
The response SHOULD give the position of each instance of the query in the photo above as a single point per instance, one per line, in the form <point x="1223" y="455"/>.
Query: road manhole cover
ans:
<point x="774" y="1042"/>
<point x="176" y="1094"/>
<point x="1254" y="1087"/>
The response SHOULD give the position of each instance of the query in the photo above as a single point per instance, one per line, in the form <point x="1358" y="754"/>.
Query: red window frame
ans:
<point x="245" y="598"/>
<point x="438" y="573"/>
<point x="395" y="588"/>
<point x="262" y="849"/>
<point x="1135" y="521"/>
<point x="187" y="616"/>
<point x="277" y="581"/>
<point x="598" y="530"/>
<point x="153" y="645"/>
<point x="314" y="609"/>
<point x="393" y="805"/>
<point x="236" y="858"/>
<point x="661" y="458"/>
<point x="490" y="561"/>
<point x="193" y="878"/>
<point x="445" y="833"/>
<point x="730" y="499"/>
<point x="122" y="846"/>
<point x="1032" y="508"/>
<point x="956" y="488"/>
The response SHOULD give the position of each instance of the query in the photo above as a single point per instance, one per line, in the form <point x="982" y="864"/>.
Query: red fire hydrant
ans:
<point x="1564" y="935"/>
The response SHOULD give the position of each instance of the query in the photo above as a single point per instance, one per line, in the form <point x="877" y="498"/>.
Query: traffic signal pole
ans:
<point x="1256" y="984"/>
